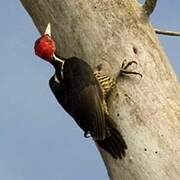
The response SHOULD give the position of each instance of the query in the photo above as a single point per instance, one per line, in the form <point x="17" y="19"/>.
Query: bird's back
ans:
<point x="77" y="74"/>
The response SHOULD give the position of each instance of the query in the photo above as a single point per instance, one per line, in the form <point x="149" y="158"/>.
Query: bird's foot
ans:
<point x="124" y="68"/>
<point x="87" y="134"/>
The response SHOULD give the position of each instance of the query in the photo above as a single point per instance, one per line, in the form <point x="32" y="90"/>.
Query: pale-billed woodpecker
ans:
<point x="82" y="93"/>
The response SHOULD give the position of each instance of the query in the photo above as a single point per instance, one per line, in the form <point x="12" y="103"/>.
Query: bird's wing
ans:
<point x="89" y="111"/>
<point x="84" y="106"/>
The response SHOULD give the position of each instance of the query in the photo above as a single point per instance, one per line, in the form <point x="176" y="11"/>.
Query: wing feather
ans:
<point x="89" y="110"/>
<point x="84" y="106"/>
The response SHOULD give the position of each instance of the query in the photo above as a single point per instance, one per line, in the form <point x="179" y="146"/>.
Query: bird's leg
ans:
<point x="108" y="83"/>
<point x="124" y="68"/>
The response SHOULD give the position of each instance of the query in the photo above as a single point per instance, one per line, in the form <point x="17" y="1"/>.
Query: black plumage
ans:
<point x="78" y="91"/>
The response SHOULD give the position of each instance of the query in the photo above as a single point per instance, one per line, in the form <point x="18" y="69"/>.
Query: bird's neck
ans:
<point x="58" y="69"/>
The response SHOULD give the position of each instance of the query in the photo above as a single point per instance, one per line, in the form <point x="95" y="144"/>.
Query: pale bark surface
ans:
<point x="147" y="110"/>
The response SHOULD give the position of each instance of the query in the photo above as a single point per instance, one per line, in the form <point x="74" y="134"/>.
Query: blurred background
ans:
<point x="38" y="141"/>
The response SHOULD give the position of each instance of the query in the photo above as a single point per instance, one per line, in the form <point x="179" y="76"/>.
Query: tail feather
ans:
<point x="114" y="143"/>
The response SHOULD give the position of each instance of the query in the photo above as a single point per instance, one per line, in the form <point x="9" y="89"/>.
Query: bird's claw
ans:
<point x="126" y="65"/>
<point x="87" y="134"/>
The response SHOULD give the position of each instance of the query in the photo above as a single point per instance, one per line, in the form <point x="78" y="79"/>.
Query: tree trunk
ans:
<point x="147" y="110"/>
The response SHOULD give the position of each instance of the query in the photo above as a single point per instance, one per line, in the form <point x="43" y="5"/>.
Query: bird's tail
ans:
<point x="114" y="143"/>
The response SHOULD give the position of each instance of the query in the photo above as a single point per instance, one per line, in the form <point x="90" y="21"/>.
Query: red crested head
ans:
<point x="45" y="46"/>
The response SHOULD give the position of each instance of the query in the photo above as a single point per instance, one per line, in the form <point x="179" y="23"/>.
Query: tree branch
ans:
<point x="149" y="6"/>
<point x="169" y="33"/>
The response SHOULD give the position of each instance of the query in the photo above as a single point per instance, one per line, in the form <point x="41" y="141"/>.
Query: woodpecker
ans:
<point x="83" y="93"/>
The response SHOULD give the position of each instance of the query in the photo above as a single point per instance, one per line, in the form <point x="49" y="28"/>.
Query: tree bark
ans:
<point x="147" y="110"/>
